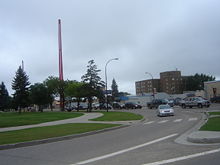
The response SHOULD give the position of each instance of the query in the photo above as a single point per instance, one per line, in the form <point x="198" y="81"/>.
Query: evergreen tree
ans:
<point x="21" y="86"/>
<point x="93" y="81"/>
<point x="4" y="97"/>
<point x="196" y="82"/>
<point x="114" y="90"/>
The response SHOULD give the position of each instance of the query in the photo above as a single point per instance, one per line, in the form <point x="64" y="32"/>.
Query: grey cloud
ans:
<point x="151" y="36"/>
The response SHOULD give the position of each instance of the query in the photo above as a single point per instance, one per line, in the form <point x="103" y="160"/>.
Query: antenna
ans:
<point x="22" y="65"/>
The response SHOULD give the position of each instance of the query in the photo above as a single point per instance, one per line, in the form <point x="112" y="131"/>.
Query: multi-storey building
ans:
<point x="147" y="86"/>
<point x="170" y="82"/>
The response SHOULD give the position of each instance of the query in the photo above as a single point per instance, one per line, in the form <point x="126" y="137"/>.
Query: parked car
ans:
<point x="104" y="106"/>
<point x="156" y="102"/>
<point x="83" y="106"/>
<point x="131" y="105"/>
<point x="171" y="102"/>
<point x="117" y="105"/>
<point x="194" y="102"/>
<point x="95" y="105"/>
<point x="70" y="107"/>
<point x="215" y="99"/>
<point x="165" y="110"/>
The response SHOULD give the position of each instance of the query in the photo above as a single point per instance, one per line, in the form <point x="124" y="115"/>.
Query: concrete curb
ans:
<point x="204" y="137"/>
<point x="55" y="139"/>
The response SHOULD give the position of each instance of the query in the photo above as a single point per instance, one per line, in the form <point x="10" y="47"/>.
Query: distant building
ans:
<point x="212" y="89"/>
<point x="170" y="82"/>
<point x="147" y="86"/>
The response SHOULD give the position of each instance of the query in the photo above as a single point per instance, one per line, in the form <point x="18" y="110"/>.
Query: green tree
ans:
<point x="196" y="82"/>
<point x="4" y="97"/>
<point x="93" y="81"/>
<point x="53" y="85"/>
<point x="21" y="84"/>
<point x="115" y="92"/>
<point x="77" y="90"/>
<point x="39" y="95"/>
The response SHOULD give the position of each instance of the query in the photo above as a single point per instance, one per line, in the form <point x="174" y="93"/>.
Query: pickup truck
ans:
<point x="194" y="102"/>
<point x="155" y="103"/>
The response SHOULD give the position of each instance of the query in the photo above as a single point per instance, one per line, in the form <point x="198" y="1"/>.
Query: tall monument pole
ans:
<point x="62" y="100"/>
<point x="60" y="51"/>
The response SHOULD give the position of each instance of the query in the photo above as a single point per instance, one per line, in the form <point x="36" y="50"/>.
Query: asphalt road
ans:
<point x="151" y="141"/>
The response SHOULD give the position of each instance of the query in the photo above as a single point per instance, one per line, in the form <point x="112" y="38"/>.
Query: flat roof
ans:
<point x="209" y="82"/>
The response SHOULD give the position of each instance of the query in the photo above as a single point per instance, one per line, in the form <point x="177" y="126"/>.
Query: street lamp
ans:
<point x="151" y="83"/>
<point x="106" y="87"/>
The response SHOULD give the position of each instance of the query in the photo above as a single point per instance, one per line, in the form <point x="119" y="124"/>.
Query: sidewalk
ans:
<point x="82" y="119"/>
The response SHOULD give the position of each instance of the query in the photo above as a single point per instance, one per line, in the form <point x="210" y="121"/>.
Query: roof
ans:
<point x="209" y="82"/>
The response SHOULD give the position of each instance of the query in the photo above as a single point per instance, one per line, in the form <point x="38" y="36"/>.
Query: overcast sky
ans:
<point x="146" y="35"/>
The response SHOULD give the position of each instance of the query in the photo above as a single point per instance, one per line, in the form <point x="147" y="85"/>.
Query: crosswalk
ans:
<point x="174" y="121"/>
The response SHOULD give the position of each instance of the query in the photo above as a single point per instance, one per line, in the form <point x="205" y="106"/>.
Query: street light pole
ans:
<point x="152" y="82"/>
<point x="106" y="85"/>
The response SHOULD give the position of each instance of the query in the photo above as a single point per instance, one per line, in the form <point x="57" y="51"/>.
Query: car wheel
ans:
<point x="183" y="106"/>
<point x="200" y="106"/>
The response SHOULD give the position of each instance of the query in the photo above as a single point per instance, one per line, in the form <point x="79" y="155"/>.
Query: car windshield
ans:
<point x="164" y="106"/>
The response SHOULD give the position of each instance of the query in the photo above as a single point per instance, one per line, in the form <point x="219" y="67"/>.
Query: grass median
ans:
<point x="118" y="116"/>
<point x="10" y="119"/>
<point x="38" y="133"/>
<point x="213" y="123"/>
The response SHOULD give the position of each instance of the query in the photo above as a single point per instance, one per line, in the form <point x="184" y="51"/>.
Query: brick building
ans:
<point x="170" y="82"/>
<point x="147" y="86"/>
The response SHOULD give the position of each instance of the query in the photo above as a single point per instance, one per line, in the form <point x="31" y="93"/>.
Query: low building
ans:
<point x="212" y="89"/>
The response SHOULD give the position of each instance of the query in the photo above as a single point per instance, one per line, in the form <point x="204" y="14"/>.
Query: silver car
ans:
<point x="165" y="110"/>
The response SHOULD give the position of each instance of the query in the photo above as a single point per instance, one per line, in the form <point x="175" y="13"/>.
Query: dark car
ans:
<point x="156" y="102"/>
<point x="131" y="105"/>
<point x="215" y="99"/>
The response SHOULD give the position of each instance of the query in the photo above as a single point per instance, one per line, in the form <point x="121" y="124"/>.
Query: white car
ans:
<point x="165" y="110"/>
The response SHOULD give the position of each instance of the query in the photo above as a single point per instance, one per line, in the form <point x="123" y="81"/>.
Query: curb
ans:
<point x="55" y="139"/>
<point x="204" y="137"/>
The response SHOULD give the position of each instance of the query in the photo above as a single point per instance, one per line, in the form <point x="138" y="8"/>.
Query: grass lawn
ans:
<point x="10" y="119"/>
<point x="214" y="113"/>
<point x="213" y="124"/>
<point x="37" y="133"/>
<point x="118" y="116"/>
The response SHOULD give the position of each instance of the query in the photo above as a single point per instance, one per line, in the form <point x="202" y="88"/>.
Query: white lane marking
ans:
<point x="177" y="120"/>
<point x="193" y="119"/>
<point x="163" y="121"/>
<point x="125" y="150"/>
<point x="150" y="122"/>
<point x="183" y="157"/>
